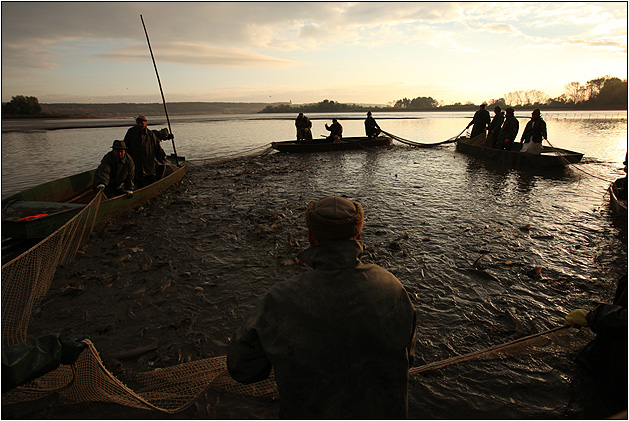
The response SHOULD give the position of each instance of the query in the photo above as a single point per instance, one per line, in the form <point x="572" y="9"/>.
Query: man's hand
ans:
<point x="577" y="317"/>
<point x="71" y="348"/>
<point x="129" y="194"/>
<point x="100" y="187"/>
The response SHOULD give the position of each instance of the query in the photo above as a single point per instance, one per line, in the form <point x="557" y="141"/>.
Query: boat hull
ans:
<point x="347" y="143"/>
<point x="618" y="206"/>
<point x="60" y="200"/>
<point x="550" y="158"/>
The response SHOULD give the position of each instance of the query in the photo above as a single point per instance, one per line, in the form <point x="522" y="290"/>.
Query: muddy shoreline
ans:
<point x="177" y="274"/>
<point x="175" y="278"/>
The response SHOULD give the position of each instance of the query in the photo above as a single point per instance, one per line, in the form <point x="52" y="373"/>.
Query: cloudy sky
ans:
<point x="363" y="52"/>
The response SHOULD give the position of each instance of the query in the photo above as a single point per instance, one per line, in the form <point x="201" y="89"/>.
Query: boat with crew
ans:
<point x="550" y="158"/>
<point x="346" y="143"/>
<point x="39" y="211"/>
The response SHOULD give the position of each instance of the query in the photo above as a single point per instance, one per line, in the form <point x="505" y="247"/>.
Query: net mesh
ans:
<point x="478" y="140"/>
<point x="25" y="282"/>
<point x="26" y="279"/>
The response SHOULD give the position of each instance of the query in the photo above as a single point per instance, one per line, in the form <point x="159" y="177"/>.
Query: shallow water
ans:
<point x="37" y="152"/>
<point x="429" y="215"/>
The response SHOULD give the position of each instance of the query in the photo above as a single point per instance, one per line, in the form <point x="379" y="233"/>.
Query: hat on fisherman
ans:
<point x="334" y="218"/>
<point x="119" y="144"/>
<point x="537" y="111"/>
<point x="140" y="117"/>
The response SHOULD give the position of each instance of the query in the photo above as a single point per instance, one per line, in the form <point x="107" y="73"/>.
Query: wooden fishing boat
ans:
<point x="346" y="143"/>
<point x="39" y="211"/>
<point x="618" y="206"/>
<point x="550" y="158"/>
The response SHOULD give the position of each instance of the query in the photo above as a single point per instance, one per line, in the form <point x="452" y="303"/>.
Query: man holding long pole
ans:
<point x="144" y="148"/>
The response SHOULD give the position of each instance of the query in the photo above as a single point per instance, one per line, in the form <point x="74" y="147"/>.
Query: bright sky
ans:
<point x="362" y="52"/>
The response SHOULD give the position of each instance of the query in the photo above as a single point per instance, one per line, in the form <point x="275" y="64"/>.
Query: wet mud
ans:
<point x="171" y="281"/>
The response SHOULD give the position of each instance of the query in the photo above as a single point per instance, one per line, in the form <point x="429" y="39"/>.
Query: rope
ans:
<point x="256" y="151"/>
<point x="572" y="166"/>
<point x="460" y="358"/>
<point x="421" y="145"/>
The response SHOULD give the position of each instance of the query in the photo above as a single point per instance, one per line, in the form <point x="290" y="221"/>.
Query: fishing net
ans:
<point x="478" y="140"/>
<point x="27" y="278"/>
<point x="559" y="339"/>
<point x="419" y="144"/>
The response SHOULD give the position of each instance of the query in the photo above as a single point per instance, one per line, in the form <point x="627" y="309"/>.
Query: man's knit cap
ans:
<point x="334" y="218"/>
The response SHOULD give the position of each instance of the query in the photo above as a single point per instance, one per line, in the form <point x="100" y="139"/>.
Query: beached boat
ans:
<point x="39" y="211"/>
<point x="618" y="206"/>
<point x="346" y="143"/>
<point x="550" y="158"/>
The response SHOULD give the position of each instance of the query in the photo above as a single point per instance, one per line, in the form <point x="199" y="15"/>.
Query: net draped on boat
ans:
<point x="478" y="140"/>
<point x="27" y="278"/>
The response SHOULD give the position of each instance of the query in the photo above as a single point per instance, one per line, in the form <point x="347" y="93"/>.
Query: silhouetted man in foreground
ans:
<point x="341" y="337"/>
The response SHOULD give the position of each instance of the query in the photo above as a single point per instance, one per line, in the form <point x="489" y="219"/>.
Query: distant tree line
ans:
<point x="602" y="93"/>
<point x="605" y="92"/>
<point x="92" y="110"/>
<point x="22" y="105"/>
<point x="325" y="106"/>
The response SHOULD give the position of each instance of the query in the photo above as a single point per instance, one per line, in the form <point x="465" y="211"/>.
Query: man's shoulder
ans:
<point x="108" y="158"/>
<point x="383" y="274"/>
<point x="127" y="160"/>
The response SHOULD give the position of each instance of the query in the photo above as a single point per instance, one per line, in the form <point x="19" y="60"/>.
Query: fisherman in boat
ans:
<point x="534" y="134"/>
<point x="371" y="127"/>
<point x="304" y="126"/>
<point x="480" y="121"/>
<point x="602" y="364"/>
<point x="341" y="337"/>
<point x="163" y="134"/>
<point x="114" y="176"/>
<point x="144" y="148"/>
<point x="493" y="132"/>
<point x="336" y="131"/>
<point x="509" y="131"/>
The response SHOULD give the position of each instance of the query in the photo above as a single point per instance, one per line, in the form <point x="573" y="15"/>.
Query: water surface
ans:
<point x="430" y="214"/>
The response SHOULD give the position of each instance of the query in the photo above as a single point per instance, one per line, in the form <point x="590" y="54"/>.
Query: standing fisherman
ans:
<point x="509" y="131"/>
<point x="534" y="133"/>
<point x="480" y="121"/>
<point x="495" y="126"/>
<point x="602" y="364"/>
<point x="304" y="126"/>
<point x="340" y="337"/>
<point x="144" y="148"/>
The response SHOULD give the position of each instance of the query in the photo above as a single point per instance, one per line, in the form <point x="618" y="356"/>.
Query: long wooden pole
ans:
<point x="160" y="88"/>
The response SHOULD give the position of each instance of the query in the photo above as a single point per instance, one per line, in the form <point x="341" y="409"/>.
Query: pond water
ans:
<point x="34" y="152"/>
<point x="455" y="210"/>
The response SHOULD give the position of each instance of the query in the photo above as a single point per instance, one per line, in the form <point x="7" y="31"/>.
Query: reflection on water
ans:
<point x="430" y="214"/>
<point x="30" y="158"/>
